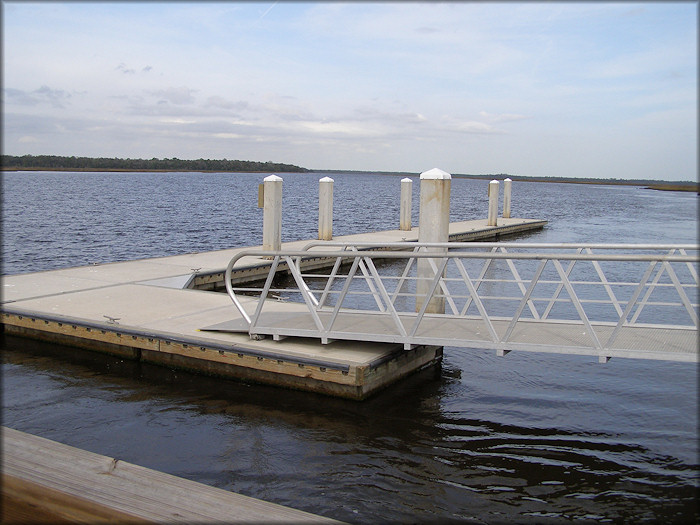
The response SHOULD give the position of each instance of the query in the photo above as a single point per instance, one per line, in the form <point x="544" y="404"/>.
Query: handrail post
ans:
<point x="433" y="226"/>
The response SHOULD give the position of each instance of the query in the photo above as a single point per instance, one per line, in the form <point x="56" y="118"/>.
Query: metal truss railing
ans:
<point x="606" y="300"/>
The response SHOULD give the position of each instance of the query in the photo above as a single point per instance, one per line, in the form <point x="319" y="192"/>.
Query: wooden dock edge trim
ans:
<point x="336" y="384"/>
<point x="355" y="383"/>
<point x="239" y="349"/>
<point x="104" y="347"/>
<point x="495" y="232"/>
<point x="27" y="502"/>
<point x="129" y="348"/>
<point x="63" y="324"/>
<point x="279" y="365"/>
<point x="147" y="340"/>
<point x="275" y="369"/>
<point x="128" y="490"/>
<point x="214" y="281"/>
<point x="245" y="274"/>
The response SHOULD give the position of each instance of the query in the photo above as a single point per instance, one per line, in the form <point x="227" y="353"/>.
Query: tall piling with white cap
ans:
<point x="493" y="204"/>
<point x="433" y="226"/>
<point x="272" y="213"/>
<point x="506" y="198"/>
<point x="325" y="209"/>
<point x="406" y="204"/>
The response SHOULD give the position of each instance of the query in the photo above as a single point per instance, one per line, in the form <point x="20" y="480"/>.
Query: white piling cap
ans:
<point x="494" y="181"/>
<point x="435" y="173"/>
<point x="406" y="180"/>
<point x="507" y="180"/>
<point x="272" y="178"/>
<point x="325" y="179"/>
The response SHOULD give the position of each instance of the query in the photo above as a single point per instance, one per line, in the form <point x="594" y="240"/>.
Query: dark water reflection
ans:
<point x="525" y="438"/>
<point x="437" y="446"/>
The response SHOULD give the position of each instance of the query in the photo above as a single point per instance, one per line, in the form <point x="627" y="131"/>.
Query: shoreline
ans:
<point x="647" y="185"/>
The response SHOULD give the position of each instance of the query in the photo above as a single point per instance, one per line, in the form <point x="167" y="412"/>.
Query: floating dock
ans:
<point x="153" y="310"/>
<point x="48" y="482"/>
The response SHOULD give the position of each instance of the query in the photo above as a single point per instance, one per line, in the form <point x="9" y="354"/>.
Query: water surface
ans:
<point x="526" y="438"/>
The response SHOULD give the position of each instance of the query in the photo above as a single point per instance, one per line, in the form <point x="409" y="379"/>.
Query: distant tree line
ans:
<point x="575" y="180"/>
<point x="54" y="162"/>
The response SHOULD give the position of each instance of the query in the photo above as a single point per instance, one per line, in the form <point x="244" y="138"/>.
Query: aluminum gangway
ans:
<point x="604" y="300"/>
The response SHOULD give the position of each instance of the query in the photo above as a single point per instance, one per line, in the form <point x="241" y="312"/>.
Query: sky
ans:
<point x="591" y="89"/>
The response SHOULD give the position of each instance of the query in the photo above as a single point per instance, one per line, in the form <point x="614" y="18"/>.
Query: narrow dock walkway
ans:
<point x="154" y="309"/>
<point x="47" y="482"/>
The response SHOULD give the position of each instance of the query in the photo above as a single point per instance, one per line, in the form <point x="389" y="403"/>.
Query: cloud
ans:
<point x="180" y="96"/>
<point x="55" y="97"/>
<point x="502" y="117"/>
<point x="330" y="128"/>
<point x="222" y="103"/>
<point x="44" y="95"/>
<point x="127" y="71"/>
<point x="451" y="124"/>
<point x="130" y="70"/>
<point x="389" y="117"/>
<point x="19" y="97"/>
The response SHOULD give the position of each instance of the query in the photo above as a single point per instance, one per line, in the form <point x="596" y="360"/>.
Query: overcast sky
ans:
<point x="606" y="90"/>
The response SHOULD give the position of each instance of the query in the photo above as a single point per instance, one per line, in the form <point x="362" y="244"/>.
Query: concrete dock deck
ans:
<point x="154" y="309"/>
<point x="48" y="482"/>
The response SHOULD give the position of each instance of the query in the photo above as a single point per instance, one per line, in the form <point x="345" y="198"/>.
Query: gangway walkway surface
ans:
<point x="615" y="300"/>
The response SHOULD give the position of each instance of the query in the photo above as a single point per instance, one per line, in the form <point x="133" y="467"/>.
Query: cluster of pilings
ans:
<point x="434" y="213"/>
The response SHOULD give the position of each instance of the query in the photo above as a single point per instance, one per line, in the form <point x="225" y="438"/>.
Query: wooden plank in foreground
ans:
<point x="45" y="481"/>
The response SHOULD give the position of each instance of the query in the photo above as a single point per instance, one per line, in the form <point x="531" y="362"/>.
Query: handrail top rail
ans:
<point x="404" y="254"/>
<point x="386" y="254"/>
<point x="453" y="244"/>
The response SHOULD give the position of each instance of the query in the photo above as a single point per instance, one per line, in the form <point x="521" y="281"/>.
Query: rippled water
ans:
<point x="526" y="438"/>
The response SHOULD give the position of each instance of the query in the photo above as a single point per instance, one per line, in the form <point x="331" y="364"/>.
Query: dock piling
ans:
<point x="506" y="198"/>
<point x="406" y="204"/>
<point x="272" y="213"/>
<point x="493" y="204"/>
<point x="325" y="209"/>
<point x="433" y="226"/>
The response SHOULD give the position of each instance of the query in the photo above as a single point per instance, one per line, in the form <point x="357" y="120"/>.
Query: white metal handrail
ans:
<point x="512" y="292"/>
